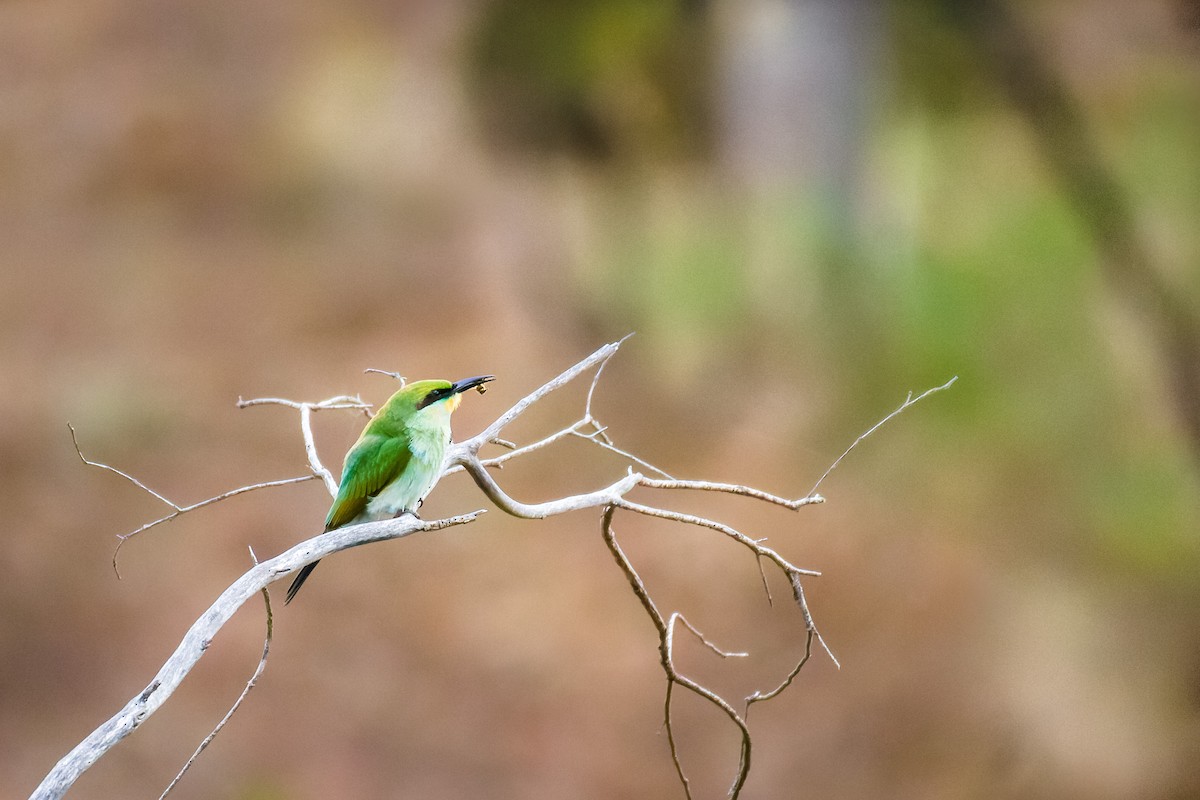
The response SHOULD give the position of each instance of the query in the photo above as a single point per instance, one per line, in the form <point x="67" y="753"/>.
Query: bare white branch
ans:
<point x="333" y="403"/>
<point x="732" y="488"/>
<point x="514" y="450"/>
<point x="601" y="497"/>
<point x="310" y="449"/>
<point x="201" y="634"/>
<point x="492" y="431"/>
<point x="318" y="470"/>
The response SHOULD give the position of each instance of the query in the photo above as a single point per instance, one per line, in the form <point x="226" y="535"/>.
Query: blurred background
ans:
<point x="804" y="208"/>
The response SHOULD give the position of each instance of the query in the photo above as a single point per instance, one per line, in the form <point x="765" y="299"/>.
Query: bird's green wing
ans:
<point x="373" y="463"/>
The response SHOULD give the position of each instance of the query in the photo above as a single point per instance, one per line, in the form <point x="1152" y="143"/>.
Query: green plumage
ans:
<point x="397" y="458"/>
<point x="373" y="463"/>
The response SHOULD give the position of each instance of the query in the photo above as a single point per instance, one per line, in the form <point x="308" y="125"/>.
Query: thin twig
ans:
<point x="403" y="380"/>
<point x="678" y="617"/>
<point x="607" y="444"/>
<point x="733" y="488"/>
<point x="669" y="724"/>
<point x="587" y="406"/>
<point x="762" y="574"/>
<point x="515" y="451"/>
<point x="757" y="696"/>
<point x="124" y="475"/>
<point x="179" y="510"/>
<point x="908" y="401"/>
<point x="250" y="684"/>
<point x="809" y="625"/>
<point x="318" y="469"/>
<point x="755" y="546"/>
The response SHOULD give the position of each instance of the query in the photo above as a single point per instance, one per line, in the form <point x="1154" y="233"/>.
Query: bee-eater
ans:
<point x="397" y="458"/>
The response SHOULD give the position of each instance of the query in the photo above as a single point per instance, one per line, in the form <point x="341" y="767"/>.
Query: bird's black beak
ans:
<point x="470" y="383"/>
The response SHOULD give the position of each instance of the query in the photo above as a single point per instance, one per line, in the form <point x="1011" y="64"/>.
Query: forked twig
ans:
<point x="178" y="509"/>
<point x="667" y="661"/>
<point x="306" y="412"/>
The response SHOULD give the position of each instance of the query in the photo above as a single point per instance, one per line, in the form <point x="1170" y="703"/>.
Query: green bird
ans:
<point x="397" y="458"/>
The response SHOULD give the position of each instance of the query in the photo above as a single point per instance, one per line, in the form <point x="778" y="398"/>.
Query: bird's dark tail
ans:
<point x="301" y="577"/>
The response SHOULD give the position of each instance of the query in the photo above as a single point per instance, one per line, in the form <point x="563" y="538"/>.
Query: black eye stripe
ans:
<point x="433" y="396"/>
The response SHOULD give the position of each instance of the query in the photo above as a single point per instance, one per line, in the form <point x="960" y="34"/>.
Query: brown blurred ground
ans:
<point x="803" y="209"/>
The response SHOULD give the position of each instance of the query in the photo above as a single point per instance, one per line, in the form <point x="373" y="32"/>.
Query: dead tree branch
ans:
<point x="198" y="638"/>
<point x="466" y="456"/>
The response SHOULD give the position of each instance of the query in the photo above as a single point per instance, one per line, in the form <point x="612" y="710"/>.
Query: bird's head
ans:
<point x="427" y="393"/>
